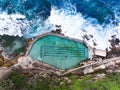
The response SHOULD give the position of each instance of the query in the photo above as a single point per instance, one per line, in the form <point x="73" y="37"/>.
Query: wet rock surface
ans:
<point x="26" y="66"/>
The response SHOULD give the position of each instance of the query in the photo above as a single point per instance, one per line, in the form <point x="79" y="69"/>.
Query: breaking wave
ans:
<point x="92" y="21"/>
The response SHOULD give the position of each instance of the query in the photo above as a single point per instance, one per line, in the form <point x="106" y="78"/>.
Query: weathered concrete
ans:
<point x="100" y="52"/>
<point x="89" y="68"/>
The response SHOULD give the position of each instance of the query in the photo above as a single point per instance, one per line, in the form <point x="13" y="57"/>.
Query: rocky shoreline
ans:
<point x="28" y="67"/>
<point x="33" y="71"/>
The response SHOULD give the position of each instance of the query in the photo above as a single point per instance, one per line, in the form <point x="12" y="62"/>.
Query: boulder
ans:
<point x="5" y="73"/>
<point x="100" y="67"/>
<point x="67" y="80"/>
<point x="112" y="63"/>
<point x="88" y="70"/>
<point x="8" y="64"/>
<point x="25" y="62"/>
<point x="1" y="61"/>
<point x="36" y="64"/>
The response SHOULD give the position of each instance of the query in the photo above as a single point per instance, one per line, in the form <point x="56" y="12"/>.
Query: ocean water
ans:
<point x="93" y="21"/>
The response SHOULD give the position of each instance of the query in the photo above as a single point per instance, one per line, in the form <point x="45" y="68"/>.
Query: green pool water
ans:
<point x="59" y="52"/>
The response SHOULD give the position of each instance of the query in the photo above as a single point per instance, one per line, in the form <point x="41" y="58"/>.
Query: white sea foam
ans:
<point x="72" y="24"/>
<point x="76" y="26"/>
<point x="12" y="24"/>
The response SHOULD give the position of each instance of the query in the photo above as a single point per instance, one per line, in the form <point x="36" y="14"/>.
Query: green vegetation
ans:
<point x="110" y="82"/>
<point x="21" y="82"/>
<point x="13" y="45"/>
<point x="21" y="49"/>
<point x="8" y="41"/>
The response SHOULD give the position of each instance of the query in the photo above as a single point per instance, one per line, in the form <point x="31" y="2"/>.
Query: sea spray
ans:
<point x="76" y="26"/>
<point x="13" y="24"/>
<point x="93" y="21"/>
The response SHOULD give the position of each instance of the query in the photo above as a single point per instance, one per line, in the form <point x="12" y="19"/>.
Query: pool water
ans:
<point x="59" y="52"/>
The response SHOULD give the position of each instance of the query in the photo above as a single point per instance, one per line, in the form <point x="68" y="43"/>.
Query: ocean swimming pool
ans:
<point x="62" y="53"/>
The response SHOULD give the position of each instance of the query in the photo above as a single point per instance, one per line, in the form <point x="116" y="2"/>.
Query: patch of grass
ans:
<point x="110" y="82"/>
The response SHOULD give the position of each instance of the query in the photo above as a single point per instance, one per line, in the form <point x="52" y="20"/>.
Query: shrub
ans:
<point x="19" y="81"/>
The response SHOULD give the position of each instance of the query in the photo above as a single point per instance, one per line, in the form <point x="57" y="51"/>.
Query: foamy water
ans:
<point x="76" y="26"/>
<point x="72" y="24"/>
<point x="13" y="24"/>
